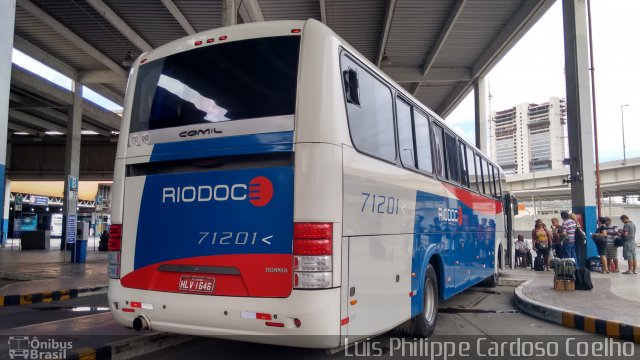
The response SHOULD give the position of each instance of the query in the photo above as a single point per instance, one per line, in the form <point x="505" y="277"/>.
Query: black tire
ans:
<point x="425" y="323"/>
<point x="500" y="257"/>
<point x="491" y="281"/>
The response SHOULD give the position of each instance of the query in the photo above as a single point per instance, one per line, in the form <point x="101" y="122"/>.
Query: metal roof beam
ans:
<point x="71" y="36"/>
<point x="28" y="130"/>
<point x="98" y="76"/>
<point x="34" y="121"/>
<point x="323" y="11"/>
<point x="528" y="14"/>
<point x="33" y="83"/>
<point x="66" y="70"/>
<point x="250" y="11"/>
<point x="108" y="93"/>
<point x="64" y="118"/>
<point x="44" y="57"/>
<point x="177" y="14"/>
<point x="444" y="34"/>
<point x="387" y="28"/>
<point x="435" y="75"/>
<point x="119" y="24"/>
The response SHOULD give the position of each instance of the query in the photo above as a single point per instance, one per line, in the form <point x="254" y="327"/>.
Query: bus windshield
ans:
<point x="244" y="79"/>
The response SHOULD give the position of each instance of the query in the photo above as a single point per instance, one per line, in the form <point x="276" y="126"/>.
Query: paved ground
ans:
<point x="49" y="270"/>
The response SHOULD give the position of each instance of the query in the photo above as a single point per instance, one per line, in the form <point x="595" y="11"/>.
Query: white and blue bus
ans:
<point x="270" y="180"/>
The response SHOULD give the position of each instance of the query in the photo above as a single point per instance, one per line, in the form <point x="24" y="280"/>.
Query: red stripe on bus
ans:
<point x="478" y="203"/>
<point x="344" y="321"/>
<point x="261" y="275"/>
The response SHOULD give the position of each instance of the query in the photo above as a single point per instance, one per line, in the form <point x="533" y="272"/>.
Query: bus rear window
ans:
<point x="245" y="79"/>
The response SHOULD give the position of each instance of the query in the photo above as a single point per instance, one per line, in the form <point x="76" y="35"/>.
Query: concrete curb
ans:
<point x="510" y="282"/>
<point x="50" y="296"/>
<point x="575" y="320"/>
<point x="132" y="347"/>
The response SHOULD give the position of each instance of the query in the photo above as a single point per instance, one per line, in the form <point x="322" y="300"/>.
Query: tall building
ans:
<point x="529" y="136"/>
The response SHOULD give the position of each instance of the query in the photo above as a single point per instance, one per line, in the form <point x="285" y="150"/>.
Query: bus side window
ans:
<point x="438" y="150"/>
<point x="480" y="169"/>
<point x="405" y="134"/>
<point x="451" y="156"/>
<point x="492" y="183"/>
<point x="486" y="176"/>
<point x="423" y="142"/>
<point x="496" y="182"/>
<point x="371" y="122"/>
<point x="473" y="177"/>
<point x="464" y="172"/>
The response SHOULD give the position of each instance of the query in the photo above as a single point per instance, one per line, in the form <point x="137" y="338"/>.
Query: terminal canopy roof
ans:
<point x="436" y="49"/>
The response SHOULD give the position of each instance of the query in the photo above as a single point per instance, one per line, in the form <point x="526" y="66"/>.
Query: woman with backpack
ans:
<point x="542" y="241"/>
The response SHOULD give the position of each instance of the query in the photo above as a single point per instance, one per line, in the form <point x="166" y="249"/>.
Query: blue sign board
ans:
<point x="39" y="200"/>
<point x="73" y="183"/>
<point x="72" y="224"/>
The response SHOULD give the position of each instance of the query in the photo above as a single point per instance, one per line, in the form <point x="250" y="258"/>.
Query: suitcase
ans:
<point x="538" y="264"/>
<point x="583" y="279"/>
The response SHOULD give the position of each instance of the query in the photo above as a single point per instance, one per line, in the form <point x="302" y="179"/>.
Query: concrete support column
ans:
<point x="480" y="92"/>
<point x="579" y="120"/>
<point x="72" y="155"/>
<point x="5" y="214"/>
<point x="7" y="21"/>
<point x="229" y="15"/>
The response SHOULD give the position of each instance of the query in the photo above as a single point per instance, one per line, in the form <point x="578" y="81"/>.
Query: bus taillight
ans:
<point x="115" y="246"/>
<point x="312" y="250"/>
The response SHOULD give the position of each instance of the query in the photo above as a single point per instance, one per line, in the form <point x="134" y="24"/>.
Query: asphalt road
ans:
<point x="16" y="316"/>
<point x="477" y="314"/>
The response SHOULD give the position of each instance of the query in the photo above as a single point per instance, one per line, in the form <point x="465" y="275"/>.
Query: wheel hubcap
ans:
<point x="429" y="300"/>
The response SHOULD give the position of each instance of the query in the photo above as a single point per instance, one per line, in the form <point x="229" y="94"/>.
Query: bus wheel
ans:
<point x="491" y="281"/>
<point x="500" y="257"/>
<point x="425" y="323"/>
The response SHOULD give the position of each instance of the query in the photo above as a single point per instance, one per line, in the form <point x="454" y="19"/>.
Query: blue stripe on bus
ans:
<point x="470" y="242"/>
<point x="187" y="215"/>
<point x="224" y="146"/>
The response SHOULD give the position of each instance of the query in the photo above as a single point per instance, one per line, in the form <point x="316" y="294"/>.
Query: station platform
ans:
<point x="611" y="308"/>
<point x="34" y="276"/>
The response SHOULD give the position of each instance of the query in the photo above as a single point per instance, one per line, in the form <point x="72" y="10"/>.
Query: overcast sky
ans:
<point x="533" y="71"/>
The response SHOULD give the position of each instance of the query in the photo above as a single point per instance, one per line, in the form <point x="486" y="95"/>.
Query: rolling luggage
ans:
<point x="538" y="264"/>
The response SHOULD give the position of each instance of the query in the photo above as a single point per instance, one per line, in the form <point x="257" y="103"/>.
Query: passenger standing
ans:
<point x="569" y="242"/>
<point x="556" y="241"/>
<point x="612" y="250"/>
<point x="542" y="241"/>
<point x="629" y="246"/>
<point x="600" y="238"/>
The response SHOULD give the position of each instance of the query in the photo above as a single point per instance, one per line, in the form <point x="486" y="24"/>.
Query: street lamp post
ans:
<point x="624" y="149"/>
<point x="533" y="170"/>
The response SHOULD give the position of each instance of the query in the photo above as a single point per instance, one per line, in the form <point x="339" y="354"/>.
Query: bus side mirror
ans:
<point x="514" y="203"/>
<point x="352" y="86"/>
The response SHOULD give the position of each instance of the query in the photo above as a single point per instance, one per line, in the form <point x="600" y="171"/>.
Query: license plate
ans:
<point x="196" y="284"/>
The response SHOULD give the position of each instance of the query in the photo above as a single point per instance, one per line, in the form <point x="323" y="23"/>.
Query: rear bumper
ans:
<point x="231" y="317"/>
